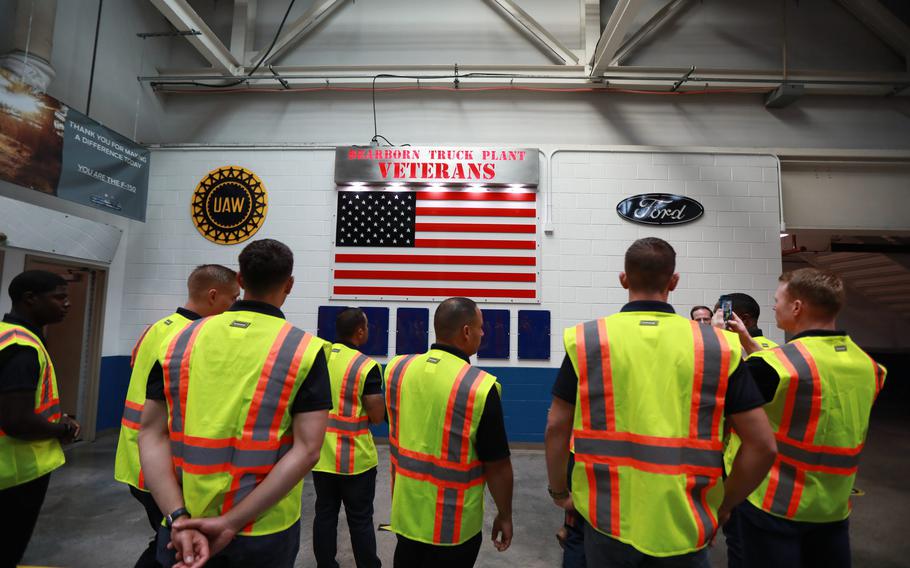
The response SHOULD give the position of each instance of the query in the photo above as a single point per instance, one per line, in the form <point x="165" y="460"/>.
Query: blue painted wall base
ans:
<point x="115" y="379"/>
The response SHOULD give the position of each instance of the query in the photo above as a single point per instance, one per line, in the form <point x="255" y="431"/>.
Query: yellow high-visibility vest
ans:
<point x="820" y="416"/>
<point x="435" y="401"/>
<point x="230" y="381"/>
<point x="649" y="418"/>
<point x="127" y="468"/>
<point x="348" y="447"/>
<point x="22" y="461"/>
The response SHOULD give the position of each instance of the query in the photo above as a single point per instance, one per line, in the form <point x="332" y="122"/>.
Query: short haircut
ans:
<point x="650" y="263"/>
<point x="744" y="305"/>
<point x="265" y="265"/>
<point x="348" y="322"/>
<point x="34" y="281"/>
<point x="696" y="308"/>
<point x="207" y="276"/>
<point x="821" y="289"/>
<point x="453" y="314"/>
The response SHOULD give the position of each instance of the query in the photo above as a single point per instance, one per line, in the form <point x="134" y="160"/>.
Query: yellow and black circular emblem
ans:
<point x="229" y="205"/>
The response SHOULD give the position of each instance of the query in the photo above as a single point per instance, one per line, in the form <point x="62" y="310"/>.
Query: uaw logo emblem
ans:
<point x="229" y="205"/>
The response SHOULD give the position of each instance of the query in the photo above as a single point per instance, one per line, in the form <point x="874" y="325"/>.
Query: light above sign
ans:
<point x="660" y="209"/>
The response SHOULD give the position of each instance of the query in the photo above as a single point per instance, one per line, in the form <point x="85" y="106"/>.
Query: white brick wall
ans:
<point x="733" y="247"/>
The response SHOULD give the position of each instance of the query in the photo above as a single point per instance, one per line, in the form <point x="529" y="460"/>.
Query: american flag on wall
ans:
<point x="425" y="244"/>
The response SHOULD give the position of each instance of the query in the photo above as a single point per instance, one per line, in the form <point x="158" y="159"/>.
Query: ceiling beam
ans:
<point x="547" y="42"/>
<point x="659" y="19"/>
<point x="612" y="37"/>
<point x="182" y="16"/>
<point x="530" y="76"/>
<point x="243" y="28"/>
<point x="301" y="27"/>
<point x="591" y="27"/>
<point x="883" y="23"/>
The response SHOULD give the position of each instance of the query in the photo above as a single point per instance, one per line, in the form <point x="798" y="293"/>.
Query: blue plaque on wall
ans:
<point x="412" y="334"/>
<point x="533" y="334"/>
<point x="325" y="322"/>
<point x="495" y="342"/>
<point x="378" y="324"/>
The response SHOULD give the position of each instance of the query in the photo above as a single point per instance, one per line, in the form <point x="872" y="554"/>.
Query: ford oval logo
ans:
<point x="660" y="209"/>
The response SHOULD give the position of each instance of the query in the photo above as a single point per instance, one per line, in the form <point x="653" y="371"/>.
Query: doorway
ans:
<point x="75" y="343"/>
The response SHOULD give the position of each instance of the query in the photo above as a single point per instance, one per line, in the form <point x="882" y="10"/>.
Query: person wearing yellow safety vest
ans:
<point x="346" y="471"/>
<point x="234" y="423"/>
<point x="644" y="396"/>
<point x="447" y="440"/>
<point x="821" y="387"/>
<point x="748" y="311"/>
<point x="31" y="425"/>
<point x="211" y="289"/>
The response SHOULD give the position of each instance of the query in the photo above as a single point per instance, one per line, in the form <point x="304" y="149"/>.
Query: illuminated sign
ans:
<point x="451" y="166"/>
<point x="229" y="205"/>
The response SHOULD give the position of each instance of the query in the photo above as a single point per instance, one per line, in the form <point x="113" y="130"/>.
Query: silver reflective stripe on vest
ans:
<point x="817" y="458"/>
<point x="435" y="470"/>
<point x="132" y="415"/>
<point x="346" y="405"/>
<point x="276" y="381"/>
<point x="239" y="458"/>
<point x="173" y="369"/>
<point x="594" y="364"/>
<point x="447" y="522"/>
<point x="805" y="390"/>
<point x="246" y="485"/>
<point x="786" y="481"/>
<point x="702" y="482"/>
<point x="395" y="387"/>
<point x="603" y="482"/>
<point x="710" y="380"/>
<point x="344" y="454"/>
<point x="658" y="455"/>
<point x="48" y="413"/>
<point x="348" y="426"/>
<point x="459" y="429"/>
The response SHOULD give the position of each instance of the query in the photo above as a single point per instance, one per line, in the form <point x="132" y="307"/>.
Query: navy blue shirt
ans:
<point x="742" y="392"/>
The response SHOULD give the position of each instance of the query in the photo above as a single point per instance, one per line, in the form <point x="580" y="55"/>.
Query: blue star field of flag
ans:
<point x="375" y="219"/>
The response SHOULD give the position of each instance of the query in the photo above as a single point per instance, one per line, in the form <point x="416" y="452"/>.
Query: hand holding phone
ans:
<point x="726" y="305"/>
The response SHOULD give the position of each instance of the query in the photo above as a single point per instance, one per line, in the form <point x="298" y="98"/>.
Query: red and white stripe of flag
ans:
<point x="482" y="244"/>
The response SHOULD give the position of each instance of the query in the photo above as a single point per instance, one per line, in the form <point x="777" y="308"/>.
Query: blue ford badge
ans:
<point x="660" y="209"/>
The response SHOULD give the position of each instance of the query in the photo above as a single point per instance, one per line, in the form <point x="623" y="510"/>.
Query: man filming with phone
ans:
<point x="820" y="387"/>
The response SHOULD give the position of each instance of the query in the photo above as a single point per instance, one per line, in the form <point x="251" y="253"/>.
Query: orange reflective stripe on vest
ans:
<point x="347" y="422"/>
<point x="49" y="405"/>
<point x="135" y="350"/>
<point x="132" y="415"/>
<point x="393" y="395"/>
<point x="452" y="473"/>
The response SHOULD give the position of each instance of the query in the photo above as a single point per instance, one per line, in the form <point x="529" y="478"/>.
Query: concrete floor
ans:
<point x="90" y="520"/>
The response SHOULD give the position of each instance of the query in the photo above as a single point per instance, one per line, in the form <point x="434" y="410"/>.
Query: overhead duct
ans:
<point x="33" y="42"/>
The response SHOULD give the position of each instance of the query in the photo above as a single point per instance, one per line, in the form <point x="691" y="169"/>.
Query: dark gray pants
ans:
<point x="278" y="550"/>
<point x="602" y="551"/>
